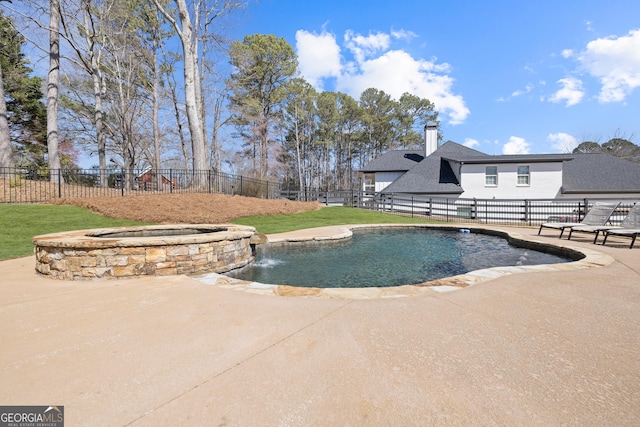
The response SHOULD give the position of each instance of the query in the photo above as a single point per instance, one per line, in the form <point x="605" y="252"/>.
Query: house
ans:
<point x="455" y="171"/>
<point x="147" y="181"/>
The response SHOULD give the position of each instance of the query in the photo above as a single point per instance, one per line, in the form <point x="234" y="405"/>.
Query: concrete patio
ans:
<point x="558" y="347"/>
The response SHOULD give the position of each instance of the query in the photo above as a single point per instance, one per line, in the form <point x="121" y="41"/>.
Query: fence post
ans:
<point x="486" y="212"/>
<point x="123" y="177"/>
<point x="447" y="204"/>
<point x="527" y="217"/>
<point x="170" y="180"/>
<point x="59" y="183"/>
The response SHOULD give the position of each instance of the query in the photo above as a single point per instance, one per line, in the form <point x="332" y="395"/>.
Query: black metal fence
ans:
<point x="487" y="211"/>
<point x="35" y="186"/>
<point x="21" y="185"/>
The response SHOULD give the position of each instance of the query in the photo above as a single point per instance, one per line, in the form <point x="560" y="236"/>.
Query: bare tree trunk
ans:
<point x="98" y="89"/>
<point x="176" y="109"/>
<point x="156" y="112"/>
<point x="101" y="137"/>
<point x="191" y="81"/>
<point x="6" y="156"/>
<point x="264" y="149"/>
<point x="200" y="89"/>
<point x="52" y="90"/>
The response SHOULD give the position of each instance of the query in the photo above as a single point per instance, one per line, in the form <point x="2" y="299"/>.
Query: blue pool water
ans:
<point x="386" y="257"/>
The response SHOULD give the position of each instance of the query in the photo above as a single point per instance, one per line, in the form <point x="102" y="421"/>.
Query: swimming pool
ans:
<point x="387" y="257"/>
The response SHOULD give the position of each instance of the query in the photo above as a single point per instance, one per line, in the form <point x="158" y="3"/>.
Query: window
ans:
<point x="370" y="182"/>
<point x="523" y="175"/>
<point x="491" y="176"/>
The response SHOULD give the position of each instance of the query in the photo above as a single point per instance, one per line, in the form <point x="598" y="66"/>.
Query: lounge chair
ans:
<point x="598" y="215"/>
<point x="630" y="222"/>
<point x="629" y="228"/>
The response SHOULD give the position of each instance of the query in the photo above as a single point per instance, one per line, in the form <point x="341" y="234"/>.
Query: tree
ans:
<point x="413" y="114"/>
<point x="22" y="95"/>
<point x="379" y="122"/>
<point x="588" y="147"/>
<point x="622" y="148"/>
<point x="52" y="90"/>
<point x="148" y="23"/>
<point x="6" y="154"/>
<point x="192" y="25"/>
<point x="263" y="64"/>
<point x="81" y="30"/>
<point x="618" y="147"/>
<point x="349" y="125"/>
<point x="300" y="126"/>
<point x="185" y="29"/>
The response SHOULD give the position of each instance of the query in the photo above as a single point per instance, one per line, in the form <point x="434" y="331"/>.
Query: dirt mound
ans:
<point x="186" y="208"/>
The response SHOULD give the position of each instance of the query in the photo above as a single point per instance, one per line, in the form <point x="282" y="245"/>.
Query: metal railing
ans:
<point x="23" y="185"/>
<point x="487" y="211"/>
<point x="20" y="185"/>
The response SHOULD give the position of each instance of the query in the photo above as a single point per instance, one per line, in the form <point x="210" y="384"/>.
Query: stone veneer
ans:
<point x="80" y="255"/>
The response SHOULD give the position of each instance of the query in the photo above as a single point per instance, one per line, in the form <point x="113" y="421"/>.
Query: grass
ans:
<point x="19" y="223"/>
<point x="270" y="224"/>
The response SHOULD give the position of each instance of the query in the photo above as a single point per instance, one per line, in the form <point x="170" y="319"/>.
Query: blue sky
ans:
<point x="508" y="77"/>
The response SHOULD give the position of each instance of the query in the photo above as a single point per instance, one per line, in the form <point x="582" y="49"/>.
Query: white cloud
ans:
<point x="615" y="61"/>
<point x="571" y="92"/>
<point x="589" y="26"/>
<point x="567" y="53"/>
<point x="403" y="34"/>
<point x="563" y="142"/>
<point x="528" y="88"/>
<point x="470" y="142"/>
<point x="516" y="145"/>
<point x="318" y="56"/>
<point x="375" y="65"/>
<point x="397" y="72"/>
<point x="363" y="47"/>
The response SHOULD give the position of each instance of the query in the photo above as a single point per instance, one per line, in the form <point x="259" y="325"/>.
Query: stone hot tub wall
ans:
<point x="79" y="255"/>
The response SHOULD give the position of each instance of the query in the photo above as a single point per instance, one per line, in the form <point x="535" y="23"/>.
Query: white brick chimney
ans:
<point x="430" y="138"/>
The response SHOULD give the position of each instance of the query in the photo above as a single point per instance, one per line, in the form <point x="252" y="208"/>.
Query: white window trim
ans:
<point x="518" y="175"/>
<point x="486" y="176"/>
<point x="369" y="186"/>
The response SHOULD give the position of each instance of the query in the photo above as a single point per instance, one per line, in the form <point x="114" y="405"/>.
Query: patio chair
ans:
<point x="598" y="215"/>
<point x="629" y="228"/>
<point x="630" y="222"/>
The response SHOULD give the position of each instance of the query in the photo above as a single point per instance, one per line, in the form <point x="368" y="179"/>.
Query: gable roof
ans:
<point x="438" y="173"/>
<point x="395" y="161"/>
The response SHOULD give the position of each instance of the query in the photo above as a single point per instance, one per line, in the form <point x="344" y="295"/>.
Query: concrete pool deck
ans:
<point x="558" y="347"/>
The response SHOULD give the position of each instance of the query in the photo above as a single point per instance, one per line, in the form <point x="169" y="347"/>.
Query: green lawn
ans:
<point x="270" y="224"/>
<point x="19" y="223"/>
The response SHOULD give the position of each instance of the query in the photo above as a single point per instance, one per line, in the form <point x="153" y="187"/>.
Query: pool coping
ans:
<point x="591" y="259"/>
